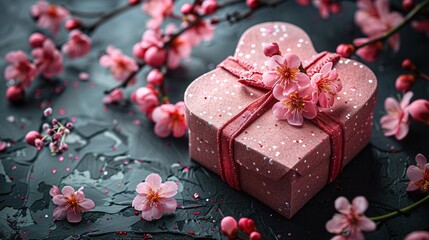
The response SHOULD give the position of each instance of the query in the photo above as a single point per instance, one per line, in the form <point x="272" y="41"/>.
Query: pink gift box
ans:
<point x="281" y="165"/>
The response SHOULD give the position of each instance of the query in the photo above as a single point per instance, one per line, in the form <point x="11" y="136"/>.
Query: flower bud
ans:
<point x="47" y="112"/>
<point x="253" y="4"/>
<point x="155" y="77"/>
<point x="31" y="137"/>
<point x="73" y="24"/>
<point x="69" y="125"/>
<point x="271" y="49"/>
<point x="419" y="110"/>
<point x="155" y="56"/>
<point x="139" y="51"/>
<point x="15" y="93"/>
<point x="404" y="82"/>
<point x="408" y="65"/>
<point x="255" y="236"/>
<point x="209" y="7"/>
<point x="228" y="226"/>
<point x="246" y="225"/>
<point x="36" y="40"/>
<point x="187" y="8"/>
<point x="407" y="4"/>
<point x="345" y="50"/>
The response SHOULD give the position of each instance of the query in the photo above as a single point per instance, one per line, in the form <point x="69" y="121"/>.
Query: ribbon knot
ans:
<point x="252" y="77"/>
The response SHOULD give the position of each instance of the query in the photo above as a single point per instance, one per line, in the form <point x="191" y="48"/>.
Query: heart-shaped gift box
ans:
<point x="281" y="165"/>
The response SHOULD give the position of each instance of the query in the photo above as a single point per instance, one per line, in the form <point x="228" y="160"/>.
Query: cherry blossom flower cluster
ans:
<point x="154" y="199"/>
<point x="54" y="135"/>
<point x="379" y="25"/>
<point x="230" y="227"/>
<point x="46" y="57"/>
<point x="299" y="94"/>
<point x="351" y="222"/>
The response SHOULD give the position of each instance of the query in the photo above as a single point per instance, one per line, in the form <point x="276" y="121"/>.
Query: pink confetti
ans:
<point x="67" y="169"/>
<point x="54" y="170"/>
<point x="75" y="84"/>
<point x="73" y="119"/>
<point x="137" y="122"/>
<point x="83" y="76"/>
<point x="3" y="146"/>
<point x="106" y="191"/>
<point x="14" y="168"/>
<point x="11" y="119"/>
<point x="76" y="157"/>
<point x="62" y="111"/>
<point x="61" y="158"/>
<point x="196" y="195"/>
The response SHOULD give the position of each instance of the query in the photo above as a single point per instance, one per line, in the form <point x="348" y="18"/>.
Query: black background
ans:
<point x="378" y="172"/>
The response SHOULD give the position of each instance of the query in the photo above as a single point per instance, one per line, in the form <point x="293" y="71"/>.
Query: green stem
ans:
<point x="419" y="7"/>
<point x="404" y="210"/>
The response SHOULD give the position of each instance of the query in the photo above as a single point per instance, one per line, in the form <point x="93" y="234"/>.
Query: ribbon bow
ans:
<point x="252" y="77"/>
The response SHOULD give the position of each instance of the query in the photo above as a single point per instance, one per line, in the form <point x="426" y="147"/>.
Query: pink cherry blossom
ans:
<point x="120" y="65"/>
<point x="48" y="59"/>
<point x="150" y="48"/>
<point x="294" y="105"/>
<point x="170" y="118"/>
<point x="326" y="85"/>
<point x="271" y="49"/>
<point x="419" y="175"/>
<point x="49" y="15"/>
<point x="179" y="48"/>
<point x="351" y="221"/>
<point x="78" y="44"/>
<point x="396" y="122"/>
<point x="283" y="71"/>
<point x="369" y="52"/>
<point x="229" y="228"/>
<point x="117" y="95"/>
<point x="71" y="204"/>
<point x="54" y="191"/>
<point x="20" y="68"/>
<point x="326" y="7"/>
<point x="146" y="98"/>
<point x="155" y="198"/>
<point x="375" y="19"/>
<point x="418" y="235"/>
<point x="155" y="77"/>
<point x="157" y="9"/>
<point x="202" y="31"/>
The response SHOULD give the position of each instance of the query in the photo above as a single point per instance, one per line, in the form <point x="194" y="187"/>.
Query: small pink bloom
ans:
<point x="375" y="19"/>
<point x="345" y="50"/>
<point x="151" y="48"/>
<point x="208" y="7"/>
<point x="396" y="122"/>
<point x="155" y="198"/>
<point x="369" y="52"/>
<point x="47" y="112"/>
<point x="36" y="40"/>
<point x="48" y="59"/>
<point x="117" y="95"/>
<point x="146" y="98"/>
<point x="155" y="77"/>
<point x="351" y="221"/>
<point x="418" y="235"/>
<point x="404" y="82"/>
<point x="78" y="45"/>
<point x="170" y="118"/>
<point x="419" y="110"/>
<point x="271" y="49"/>
<point x="283" y="72"/>
<point x="49" y="15"/>
<point x="157" y="9"/>
<point x="229" y="228"/>
<point x="419" y="175"/>
<point x="294" y="105"/>
<point x="181" y="46"/>
<point x="326" y="85"/>
<point x="202" y="31"/>
<point x="70" y="204"/>
<point x="20" y="68"/>
<point x="120" y="65"/>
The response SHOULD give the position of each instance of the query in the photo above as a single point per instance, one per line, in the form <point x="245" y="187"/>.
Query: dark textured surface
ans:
<point x="115" y="153"/>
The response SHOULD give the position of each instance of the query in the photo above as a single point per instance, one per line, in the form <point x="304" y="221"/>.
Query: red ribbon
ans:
<point x="249" y="76"/>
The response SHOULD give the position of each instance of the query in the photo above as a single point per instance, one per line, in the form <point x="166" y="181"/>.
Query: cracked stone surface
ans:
<point x="110" y="152"/>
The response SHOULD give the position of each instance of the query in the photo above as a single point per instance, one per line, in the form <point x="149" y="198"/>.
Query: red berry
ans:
<point x="246" y="225"/>
<point x="15" y="93"/>
<point x="133" y="2"/>
<point x="253" y="4"/>
<point x="345" y="50"/>
<point x="73" y="24"/>
<point x="31" y="137"/>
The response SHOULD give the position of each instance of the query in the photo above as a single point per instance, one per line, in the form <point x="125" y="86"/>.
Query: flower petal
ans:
<point x="406" y="99"/>
<point x="169" y="204"/>
<point x="421" y="160"/>
<point x="342" y="205"/>
<point x="67" y="191"/>
<point x="60" y="213"/>
<point x="360" y="204"/>
<point x="295" y="118"/>
<point x="86" y="205"/>
<point x="414" y="173"/>
<point x="336" y="224"/>
<point x="269" y="78"/>
<point x="74" y="216"/>
<point x="402" y="130"/>
<point x="138" y="202"/>
<point x="152" y="213"/>
<point x="280" y="111"/>
<point x="154" y="181"/>
<point x="412" y="187"/>
<point x="59" y="200"/>
<point x="143" y="188"/>
<point x="293" y="60"/>
<point x="168" y="189"/>
<point x="366" y="224"/>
